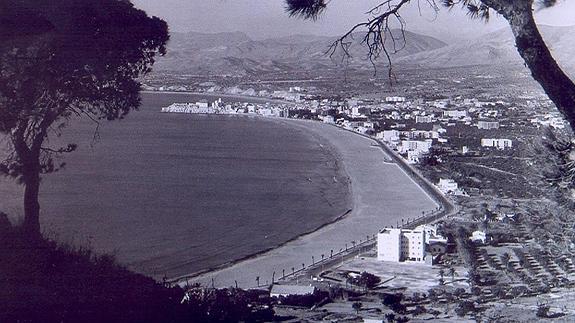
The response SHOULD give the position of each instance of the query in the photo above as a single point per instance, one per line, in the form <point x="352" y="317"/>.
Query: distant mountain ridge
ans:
<point x="234" y="53"/>
<point x="497" y="48"/>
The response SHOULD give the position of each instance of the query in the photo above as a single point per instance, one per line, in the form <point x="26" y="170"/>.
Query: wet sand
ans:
<point x="382" y="194"/>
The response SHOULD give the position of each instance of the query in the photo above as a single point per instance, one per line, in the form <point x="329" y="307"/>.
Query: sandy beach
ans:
<point x="382" y="195"/>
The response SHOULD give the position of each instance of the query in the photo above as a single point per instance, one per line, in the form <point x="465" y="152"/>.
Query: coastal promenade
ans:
<point x="382" y="195"/>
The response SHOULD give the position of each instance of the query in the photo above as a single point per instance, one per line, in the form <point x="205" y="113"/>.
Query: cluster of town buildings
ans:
<point x="217" y="107"/>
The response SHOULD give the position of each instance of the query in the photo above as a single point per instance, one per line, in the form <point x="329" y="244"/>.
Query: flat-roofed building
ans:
<point x="395" y="99"/>
<point x="484" y="124"/>
<point x="456" y="114"/>
<point x="447" y="186"/>
<point x="496" y="143"/>
<point x="399" y="245"/>
<point x="423" y="119"/>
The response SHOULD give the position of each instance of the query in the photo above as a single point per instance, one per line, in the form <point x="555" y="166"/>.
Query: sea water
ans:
<point x="173" y="194"/>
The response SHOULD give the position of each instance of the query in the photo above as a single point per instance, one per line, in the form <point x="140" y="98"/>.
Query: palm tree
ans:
<point x="505" y="258"/>
<point x="357" y="306"/>
<point x="452" y="273"/>
<point x="441" y="274"/>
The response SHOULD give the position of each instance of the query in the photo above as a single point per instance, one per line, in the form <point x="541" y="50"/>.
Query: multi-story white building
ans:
<point x="401" y="245"/>
<point x="414" y="134"/>
<point x="497" y="143"/>
<point x="388" y="135"/>
<point x="418" y="146"/>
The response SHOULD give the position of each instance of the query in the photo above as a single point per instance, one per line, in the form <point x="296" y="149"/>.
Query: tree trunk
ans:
<point x="534" y="51"/>
<point x="31" y="179"/>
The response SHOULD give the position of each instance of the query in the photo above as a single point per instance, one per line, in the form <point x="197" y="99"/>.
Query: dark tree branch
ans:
<point x="378" y="33"/>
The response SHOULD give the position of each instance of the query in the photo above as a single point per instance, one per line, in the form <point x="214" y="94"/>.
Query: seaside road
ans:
<point x="382" y="196"/>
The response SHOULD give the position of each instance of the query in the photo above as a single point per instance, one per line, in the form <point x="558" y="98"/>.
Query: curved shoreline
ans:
<point x="371" y="176"/>
<point x="255" y="255"/>
<point x="340" y="166"/>
<point x="447" y="207"/>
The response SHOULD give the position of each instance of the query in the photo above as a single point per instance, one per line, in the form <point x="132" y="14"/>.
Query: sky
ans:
<point x="267" y="18"/>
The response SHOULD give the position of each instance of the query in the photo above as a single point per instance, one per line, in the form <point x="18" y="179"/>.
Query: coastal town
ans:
<point x="472" y="151"/>
<point x="287" y="161"/>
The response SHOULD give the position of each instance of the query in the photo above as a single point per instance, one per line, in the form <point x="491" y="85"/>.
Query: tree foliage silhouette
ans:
<point x="380" y="39"/>
<point x="60" y="59"/>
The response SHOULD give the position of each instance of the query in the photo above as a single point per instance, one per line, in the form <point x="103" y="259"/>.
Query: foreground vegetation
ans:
<point x="44" y="281"/>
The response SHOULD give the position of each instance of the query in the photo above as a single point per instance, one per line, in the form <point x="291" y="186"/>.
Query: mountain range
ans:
<point x="235" y="53"/>
<point x="497" y="48"/>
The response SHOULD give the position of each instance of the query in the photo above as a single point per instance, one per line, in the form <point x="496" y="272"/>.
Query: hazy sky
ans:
<point x="267" y="18"/>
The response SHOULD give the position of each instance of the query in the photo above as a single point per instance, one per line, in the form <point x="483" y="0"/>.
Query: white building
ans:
<point x="496" y="143"/>
<point x="423" y="119"/>
<point x="328" y="119"/>
<point x="388" y="135"/>
<point x="202" y="104"/>
<point x="414" y="134"/>
<point x="487" y="124"/>
<point x="431" y="235"/>
<point x="266" y="112"/>
<point x="447" y="186"/>
<point x="395" y="99"/>
<point x="368" y="124"/>
<point x="418" y="146"/>
<point x="455" y="114"/>
<point x="413" y="156"/>
<point x="478" y="236"/>
<point x="401" y="245"/>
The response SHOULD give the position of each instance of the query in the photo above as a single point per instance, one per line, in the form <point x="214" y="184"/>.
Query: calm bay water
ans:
<point x="172" y="194"/>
